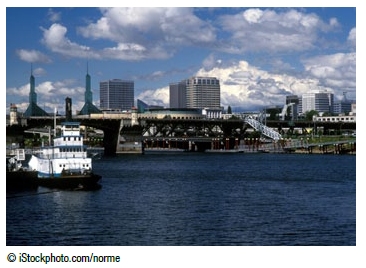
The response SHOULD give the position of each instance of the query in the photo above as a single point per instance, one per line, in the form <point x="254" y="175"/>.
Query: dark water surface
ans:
<point x="196" y="199"/>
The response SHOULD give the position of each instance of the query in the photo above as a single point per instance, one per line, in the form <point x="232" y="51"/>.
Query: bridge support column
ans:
<point x="110" y="142"/>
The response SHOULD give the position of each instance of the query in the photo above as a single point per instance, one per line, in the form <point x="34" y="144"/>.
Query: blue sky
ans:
<point x="259" y="54"/>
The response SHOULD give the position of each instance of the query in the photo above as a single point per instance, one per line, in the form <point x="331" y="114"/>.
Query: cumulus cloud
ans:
<point x="158" y="33"/>
<point x="352" y="37"/>
<point x="148" y="32"/>
<point x="32" y="56"/>
<point x="55" y="39"/>
<point x="335" y="71"/>
<point x="156" y="97"/>
<point x="268" y="30"/>
<point x="53" y="16"/>
<point x="39" y="72"/>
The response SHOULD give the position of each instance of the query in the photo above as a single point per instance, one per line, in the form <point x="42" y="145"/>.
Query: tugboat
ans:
<point x="65" y="164"/>
<point x="19" y="177"/>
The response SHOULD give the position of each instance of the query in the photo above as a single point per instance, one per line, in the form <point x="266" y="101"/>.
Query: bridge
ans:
<point x="130" y="133"/>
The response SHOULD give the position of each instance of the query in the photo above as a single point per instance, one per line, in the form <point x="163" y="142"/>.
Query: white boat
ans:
<point x="65" y="164"/>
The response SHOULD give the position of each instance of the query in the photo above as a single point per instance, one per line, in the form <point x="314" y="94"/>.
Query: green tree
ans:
<point x="309" y="115"/>
<point x="229" y="110"/>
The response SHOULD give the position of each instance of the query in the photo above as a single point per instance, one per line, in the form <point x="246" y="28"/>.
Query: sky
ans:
<point x="260" y="55"/>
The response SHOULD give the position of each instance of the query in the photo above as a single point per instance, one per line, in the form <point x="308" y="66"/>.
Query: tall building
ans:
<point x="33" y="109"/>
<point x="116" y="94"/>
<point x="88" y="107"/>
<point x="203" y="92"/>
<point x="196" y="92"/>
<point x="320" y="101"/>
<point x="177" y="95"/>
<point x="343" y="106"/>
<point x="293" y="103"/>
<point x="13" y="114"/>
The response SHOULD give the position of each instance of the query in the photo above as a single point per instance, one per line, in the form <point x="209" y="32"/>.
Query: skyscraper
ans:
<point x="196" y="92"/>
<point x="88" y="107"/>
<point x="203" y="92"/>
<point x="320" y="101"/>
<point x="177" y="95"/>
<point x="116" y="94"/>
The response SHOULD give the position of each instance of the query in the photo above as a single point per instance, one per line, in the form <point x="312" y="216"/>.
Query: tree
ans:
<point x="229" y="110"/>
<point x="309" y="115"/>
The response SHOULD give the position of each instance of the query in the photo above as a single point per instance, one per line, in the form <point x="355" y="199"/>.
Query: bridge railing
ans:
<point x="269" y="132"/>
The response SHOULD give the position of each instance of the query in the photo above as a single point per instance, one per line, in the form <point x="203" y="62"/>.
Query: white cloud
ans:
<point x="252" y="15"/>
<point x="352" y="37"/>
<point x="335" y="71"/>
<point x="32" y="56"/>
<point x="53" y="15"/>
<point x="55" y="39"/>
<point x="268" y="30"/>
<point x="155" y="97"/>
<point x="148" y="32"/>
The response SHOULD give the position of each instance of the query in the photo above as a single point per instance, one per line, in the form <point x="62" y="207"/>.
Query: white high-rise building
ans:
<point x="318" y="100"/>
<point x="203" y="92"/>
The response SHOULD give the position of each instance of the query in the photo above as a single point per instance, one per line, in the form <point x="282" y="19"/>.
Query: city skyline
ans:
<point x="260" y="55"/>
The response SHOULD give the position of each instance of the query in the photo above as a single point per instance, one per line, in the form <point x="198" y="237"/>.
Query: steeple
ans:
<point x="33" y="109"/>
<point x="88" y="107"/>
<point x="88" y="93"/>
<point x="32" y="93"/>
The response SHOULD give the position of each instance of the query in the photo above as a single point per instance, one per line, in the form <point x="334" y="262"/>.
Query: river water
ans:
<point x="190" y="199"/>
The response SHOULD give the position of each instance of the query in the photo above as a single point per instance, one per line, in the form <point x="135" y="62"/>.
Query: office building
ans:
<point x="117" y="94"/>
<point x="196" y="92"/>
<point x="177" y="95"/>
<point x="203" y="92"/>
<point x="320" y="101"/>
<point x="292" y="102"/>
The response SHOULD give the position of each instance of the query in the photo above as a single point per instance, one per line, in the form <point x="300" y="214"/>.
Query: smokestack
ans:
<point x="68" y="111"/>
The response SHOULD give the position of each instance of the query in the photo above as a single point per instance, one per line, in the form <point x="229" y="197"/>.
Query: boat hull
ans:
<point x="73" y="182"/>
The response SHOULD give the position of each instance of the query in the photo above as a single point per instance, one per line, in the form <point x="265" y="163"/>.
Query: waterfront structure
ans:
<point x="172" y="113"/>
<point x="33" y="109"/>
<point x="143" y="106"/>
<point x="338" y="118"/>
<point x="319" y="100"/>
<point x="88" y="107"/>
<point x="116" y="94"/>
